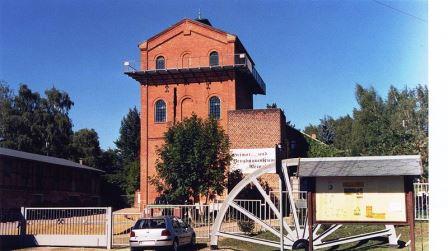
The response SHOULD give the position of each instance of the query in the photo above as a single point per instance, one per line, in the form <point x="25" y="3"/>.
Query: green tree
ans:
<point x="86" y="146"/>
<point x="128" y="144"/>
<point x="124" y="162"/>
<point x="311" y="129"/>
<point x="326" y="130"/>
<point x="343" y="129"/>
<point x="370" y="123"/>
<point x="193" y="161"/>
<point x="317" y="148"/>
<point x="36" y="124"/>
<point x="397" y="125"/>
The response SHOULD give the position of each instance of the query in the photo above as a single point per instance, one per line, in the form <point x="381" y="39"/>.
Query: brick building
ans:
<point x="195" y="67"/>
<point x="29" y="180"/>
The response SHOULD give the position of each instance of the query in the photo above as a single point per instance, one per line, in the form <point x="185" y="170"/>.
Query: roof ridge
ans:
<point x="183" y="21"/>
<point x="43" y="158"/>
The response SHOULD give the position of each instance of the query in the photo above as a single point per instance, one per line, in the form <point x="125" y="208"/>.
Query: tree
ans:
<point x="125" y="160"/>
<point x="397" y="125"/>
<point x="86" y="146"/>
<point x="271" y="106"/>
<point x="36" y="124"/>
<point x="317" y="148"/>
<point x="128" y="143"/>
<point x="311" y="129"/>
<point x="343" y="129"/>
<point x="326" y="130"/>
<point x="370" y="123"/>
<point x="192" y="161"/>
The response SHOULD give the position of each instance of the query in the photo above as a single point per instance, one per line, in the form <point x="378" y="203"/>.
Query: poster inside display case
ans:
<point x="360" y="199"/>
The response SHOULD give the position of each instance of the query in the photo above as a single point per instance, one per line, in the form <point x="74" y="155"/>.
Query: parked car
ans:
<point x="163" y="231"/>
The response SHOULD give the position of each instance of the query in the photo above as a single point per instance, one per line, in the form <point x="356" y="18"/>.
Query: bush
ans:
<point x="246" y="226"/>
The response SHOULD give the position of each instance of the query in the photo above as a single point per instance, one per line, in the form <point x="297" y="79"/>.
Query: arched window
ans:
<point x="214" y="58"/>
<point x="160" y="115"/>
<point x="214" y="108"/>
<point x="160" y="63"/>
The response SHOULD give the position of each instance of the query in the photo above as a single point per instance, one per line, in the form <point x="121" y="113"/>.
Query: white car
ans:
<point x="163" y="231"/>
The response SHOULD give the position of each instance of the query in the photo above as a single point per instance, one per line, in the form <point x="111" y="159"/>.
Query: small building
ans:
<point x="33" y="180"/>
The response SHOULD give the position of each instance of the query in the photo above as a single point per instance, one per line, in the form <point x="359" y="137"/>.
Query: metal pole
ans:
<point x="281" y="213"/>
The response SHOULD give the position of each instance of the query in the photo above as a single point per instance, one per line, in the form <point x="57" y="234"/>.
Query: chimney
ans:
<point x="313" y="136"/>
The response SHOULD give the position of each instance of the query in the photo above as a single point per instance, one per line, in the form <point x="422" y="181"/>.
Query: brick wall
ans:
<point x="259" y="128"/>
<point x="186" y="44"/>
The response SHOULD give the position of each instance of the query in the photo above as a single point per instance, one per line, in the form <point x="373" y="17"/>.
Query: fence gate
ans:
<point x="83" y="226"/>
<point x="122" y="224"/>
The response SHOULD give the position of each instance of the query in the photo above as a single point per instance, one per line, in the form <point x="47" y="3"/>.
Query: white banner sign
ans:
<point x="249" y="160"/>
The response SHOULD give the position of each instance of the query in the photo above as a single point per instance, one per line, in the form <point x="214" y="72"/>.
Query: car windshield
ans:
<point x="150" y="224"/>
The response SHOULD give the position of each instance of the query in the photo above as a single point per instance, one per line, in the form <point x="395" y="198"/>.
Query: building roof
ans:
<point x="43" y="158"/>
<point x="402" y="165"/>
<point x="186" y="20"/>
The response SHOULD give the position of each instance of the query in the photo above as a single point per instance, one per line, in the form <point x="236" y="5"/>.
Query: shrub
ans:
<point x="246" y="226"/>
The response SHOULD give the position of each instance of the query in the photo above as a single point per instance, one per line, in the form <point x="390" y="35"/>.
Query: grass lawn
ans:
<point x="421" y="236"/>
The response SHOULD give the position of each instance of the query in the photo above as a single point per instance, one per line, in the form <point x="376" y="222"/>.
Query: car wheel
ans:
<point x="193" y="240"/>
<point x="135" y="249"/>
<point x="175" y="245"/>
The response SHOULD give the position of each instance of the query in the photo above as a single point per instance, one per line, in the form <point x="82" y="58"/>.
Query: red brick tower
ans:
<point x="189" y="67"/>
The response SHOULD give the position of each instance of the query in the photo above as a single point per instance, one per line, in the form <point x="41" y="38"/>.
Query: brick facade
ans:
<point x="186" y="48"/>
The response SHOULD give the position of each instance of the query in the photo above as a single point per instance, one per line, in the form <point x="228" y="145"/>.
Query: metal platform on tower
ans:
<point x="197" y="70"/>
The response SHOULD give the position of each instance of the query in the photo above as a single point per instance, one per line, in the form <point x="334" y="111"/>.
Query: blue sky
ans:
<point x="310" y="53"/>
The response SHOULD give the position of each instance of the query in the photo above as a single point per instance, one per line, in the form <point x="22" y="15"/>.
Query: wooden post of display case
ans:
<point x="410" y="210"/>
<point x="310" y="210"/>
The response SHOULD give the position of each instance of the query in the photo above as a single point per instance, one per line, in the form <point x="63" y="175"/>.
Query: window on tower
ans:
<point x="214" y="108"/>
<point x="160" y="115"/>
<point x="160" y="63"/>
<point x="214" y="58"/>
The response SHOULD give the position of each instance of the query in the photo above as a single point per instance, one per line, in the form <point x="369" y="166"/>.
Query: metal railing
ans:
<point x="10" y="221"/>
<point x="189" y="62"/>
<point x="66" y="221"/>
<point x="61" y="223"/>
<point x="421" y="200"/>
<point x="63" y="226"/>
<point x="227" y="60"/>
<point x="300" y="203"/>
<point x="201" y="217"/>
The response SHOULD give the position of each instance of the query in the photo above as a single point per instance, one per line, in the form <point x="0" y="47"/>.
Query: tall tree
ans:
<point x="343" y="129"/>
<point x="128" y="144"/>
<point x="311" y="129"/>
<point x="126" y="158"/>
<point x="193" y="160"/>
<point x="85" y="146"/>
<point x="58" y="125"/>
<point x="36" y="124"/>
<point x="397" y="125"/>
<point x="326" y="130"/>
<point x="370" y="123"/>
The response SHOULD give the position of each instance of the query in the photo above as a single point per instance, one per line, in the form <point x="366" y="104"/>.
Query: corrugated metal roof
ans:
<point x="43" y="158"/>
<point x="358" y="166"/>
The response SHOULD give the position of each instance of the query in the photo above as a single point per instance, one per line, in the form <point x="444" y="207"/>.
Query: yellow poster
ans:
<point x="360" y="199"/>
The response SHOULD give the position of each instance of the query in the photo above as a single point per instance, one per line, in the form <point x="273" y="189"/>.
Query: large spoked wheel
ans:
<point x="175" y="245"/>
<point x="271" y="219"/>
